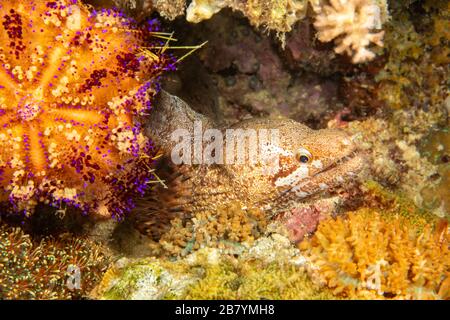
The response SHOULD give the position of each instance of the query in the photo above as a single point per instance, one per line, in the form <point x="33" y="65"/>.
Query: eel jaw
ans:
<point x="331" y="177"/>
<point x="340" y="171"/>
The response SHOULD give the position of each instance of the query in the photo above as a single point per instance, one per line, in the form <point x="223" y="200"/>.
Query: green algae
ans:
<point x="255" y="280"/>
<point x="144" y="279"/>
<point x="396" y="203"/>
<point x="208" y="274"/>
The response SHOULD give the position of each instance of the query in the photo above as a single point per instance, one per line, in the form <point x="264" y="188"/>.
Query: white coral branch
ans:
<point x="351" y="24"/>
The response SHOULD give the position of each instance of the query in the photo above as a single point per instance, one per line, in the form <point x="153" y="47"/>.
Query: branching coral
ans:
<point x="43" y="270"/>
<point x="226" y="228"/>
<point x="350" y="23"/>
<point x="371" y="255"/>
<point x="72" y="85"/>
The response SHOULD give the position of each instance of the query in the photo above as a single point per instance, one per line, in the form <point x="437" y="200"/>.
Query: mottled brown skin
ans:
<point x="333" y="162"/>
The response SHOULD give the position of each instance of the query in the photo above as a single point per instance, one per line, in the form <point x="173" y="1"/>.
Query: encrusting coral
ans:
<point x="376" y="256"/>
<point x="436" y="147"/>
<point x="169" y="9"/>
<point x="416" y="72"/>
<point x="72" y="86"/>
<point x="392" y="147"/>
<point x="43" y="269"/>
<point x="377" y="197"/>
<point x="273" y="14"/>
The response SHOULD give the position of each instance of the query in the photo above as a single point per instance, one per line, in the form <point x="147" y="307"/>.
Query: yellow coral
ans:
<point x="371" y="255"/>
<point x="255" y="280"/>
<point x="229" y="226"/>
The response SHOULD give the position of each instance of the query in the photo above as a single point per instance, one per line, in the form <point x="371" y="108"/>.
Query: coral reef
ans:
<point x="302" y="220"/>
<point x="436" y="147"/>
<point x="416" y="72"/>
<point x="73" y="84"/>
<point x="392" y="147"/>
<point x="374" y="255"/>
<point x="273" y="14"/>
<point x="350" y="23"/>
<point x="31" y="269"/>
<point x="268" y="270"/>
<point x="379" y="74"/>
<point x="141" y="9"/>
<point x="377" y="197"/>
<point x="412" y="72"/>
<point x="410" y="82"/>
<point x="252" y="78"/>
<point x="229" y="228"/>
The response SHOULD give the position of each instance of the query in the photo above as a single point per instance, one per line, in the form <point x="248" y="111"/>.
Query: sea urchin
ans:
<point x="73" y="87"/>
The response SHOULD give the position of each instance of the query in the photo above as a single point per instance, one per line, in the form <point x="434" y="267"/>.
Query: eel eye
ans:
<point x="303" y="156"/>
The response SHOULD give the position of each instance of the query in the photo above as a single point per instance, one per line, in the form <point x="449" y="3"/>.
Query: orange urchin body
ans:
<point x="72" y="88"/>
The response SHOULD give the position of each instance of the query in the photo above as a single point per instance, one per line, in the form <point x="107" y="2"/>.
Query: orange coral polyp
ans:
<point x="73" y="85"/>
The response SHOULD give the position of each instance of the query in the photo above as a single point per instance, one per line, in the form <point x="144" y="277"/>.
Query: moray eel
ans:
<point x="309" y="163"/>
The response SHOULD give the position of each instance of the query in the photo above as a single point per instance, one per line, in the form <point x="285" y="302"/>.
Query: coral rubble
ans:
<point x="72" y="84"/>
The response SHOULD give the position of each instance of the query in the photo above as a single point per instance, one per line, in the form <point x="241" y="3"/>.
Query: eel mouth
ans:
<point x="329" y="178"/>
<point x="341" y="170"/>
